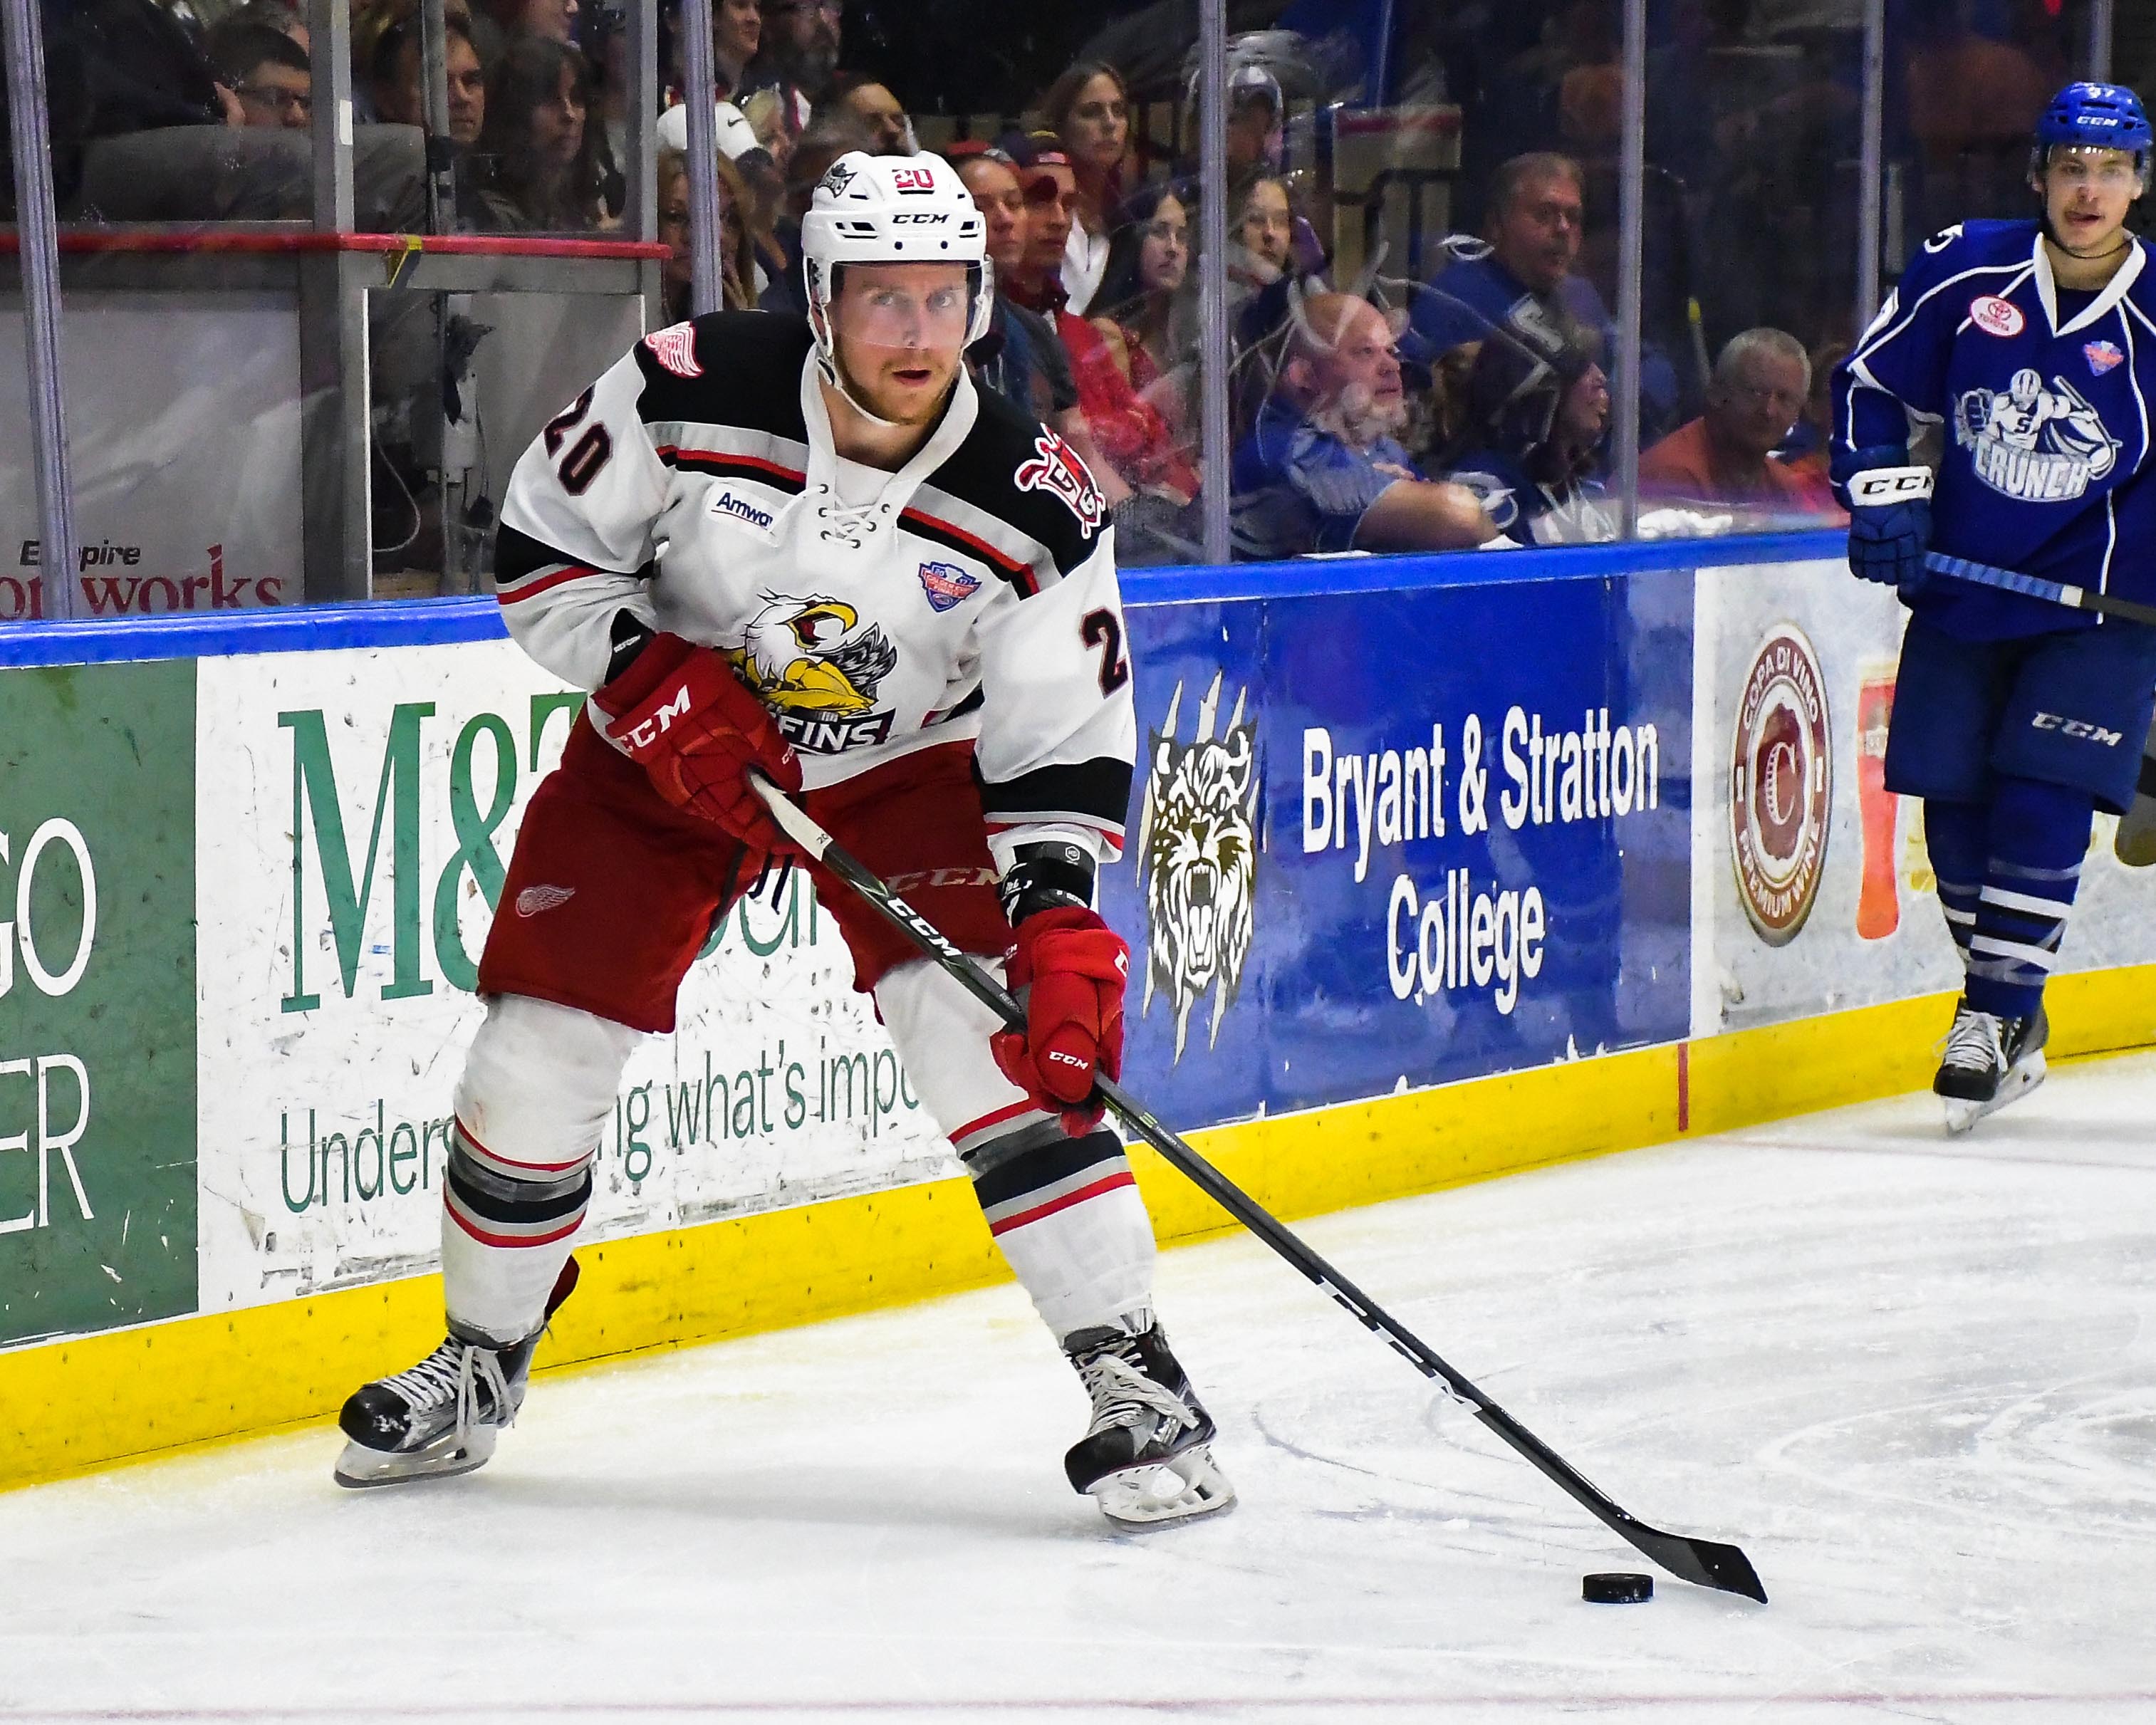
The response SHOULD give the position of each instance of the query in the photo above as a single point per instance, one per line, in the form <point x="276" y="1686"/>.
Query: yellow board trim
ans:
<point x="69" y="1406"/>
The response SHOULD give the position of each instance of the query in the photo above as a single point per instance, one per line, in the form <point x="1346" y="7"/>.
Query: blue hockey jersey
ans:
<point x="2043" y="396"/>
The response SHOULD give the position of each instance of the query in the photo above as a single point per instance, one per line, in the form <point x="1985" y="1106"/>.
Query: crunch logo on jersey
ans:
<point x="2035" y="444"/>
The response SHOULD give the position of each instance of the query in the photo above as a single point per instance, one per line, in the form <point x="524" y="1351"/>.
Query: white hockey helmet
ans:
<point x="891" y="209"/>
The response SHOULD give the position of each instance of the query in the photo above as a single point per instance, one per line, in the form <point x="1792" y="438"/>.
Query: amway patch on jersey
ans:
<point x="675" y="347"/>
<point x="948" y="585"/>
<point x="1056" y="470"/>
<point x="733" y="506"/>
<point x="1996" y="316"/>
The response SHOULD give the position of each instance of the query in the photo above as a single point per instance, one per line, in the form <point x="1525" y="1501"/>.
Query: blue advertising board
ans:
<point x="1404" y="836"/>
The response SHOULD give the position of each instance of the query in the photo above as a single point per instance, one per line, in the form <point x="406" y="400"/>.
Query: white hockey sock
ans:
<point x="1068" y="1217"/>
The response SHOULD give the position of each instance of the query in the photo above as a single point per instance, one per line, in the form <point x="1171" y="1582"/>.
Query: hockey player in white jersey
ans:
<point x="810" y="548"/>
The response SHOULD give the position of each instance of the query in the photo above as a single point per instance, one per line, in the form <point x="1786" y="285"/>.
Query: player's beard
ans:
<point x="873" y="401"/>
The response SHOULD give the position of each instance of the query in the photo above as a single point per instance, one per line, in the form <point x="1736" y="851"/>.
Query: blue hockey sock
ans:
<point x="2039" y="833"/>
<point x="1957" y="838"/>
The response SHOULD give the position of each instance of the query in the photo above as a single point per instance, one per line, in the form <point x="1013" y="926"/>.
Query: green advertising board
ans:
<point x="97" y="997"/>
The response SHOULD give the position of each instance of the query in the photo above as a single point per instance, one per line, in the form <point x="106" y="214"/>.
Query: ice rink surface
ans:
<point x="1916" y="1380"/>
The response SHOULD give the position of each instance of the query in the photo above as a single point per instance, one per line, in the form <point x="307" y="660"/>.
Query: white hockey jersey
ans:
<point x="971" y="595"/>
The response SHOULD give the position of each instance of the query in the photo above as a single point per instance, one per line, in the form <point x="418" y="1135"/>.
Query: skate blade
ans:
<point x="1180" y="1489"/>
<point x="2025" y="1076"/>
<point x="359" y="1467"/>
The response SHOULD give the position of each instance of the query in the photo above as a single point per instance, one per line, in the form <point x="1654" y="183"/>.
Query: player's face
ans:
<point x="2087" y="193"/>
<point x="900" y="333"/>
<point x="1537" y="236"/>
<point x="997" y="195"/>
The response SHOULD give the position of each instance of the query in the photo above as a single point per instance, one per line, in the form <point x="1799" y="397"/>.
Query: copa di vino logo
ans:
<point x="1781" y="786"/>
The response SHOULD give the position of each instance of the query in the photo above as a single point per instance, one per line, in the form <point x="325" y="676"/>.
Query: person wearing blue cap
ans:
<point x="2031" y="345"/>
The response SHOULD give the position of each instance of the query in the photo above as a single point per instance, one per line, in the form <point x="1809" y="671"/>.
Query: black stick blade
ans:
<point x="1704" y="1562"/>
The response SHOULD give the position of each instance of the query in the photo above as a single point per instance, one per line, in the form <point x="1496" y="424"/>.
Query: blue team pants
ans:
<point x="2013" y="745"/>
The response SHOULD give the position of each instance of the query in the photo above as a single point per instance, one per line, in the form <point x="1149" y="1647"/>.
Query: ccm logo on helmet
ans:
<point x="2080" y="729"/>
<point x="921" y="216"/>
<point x="642" y="736"/>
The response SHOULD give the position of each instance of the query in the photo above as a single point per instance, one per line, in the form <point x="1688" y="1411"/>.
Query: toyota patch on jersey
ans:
<point x="946" y="585"/>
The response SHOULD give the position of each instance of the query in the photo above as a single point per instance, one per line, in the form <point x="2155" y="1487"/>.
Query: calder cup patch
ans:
<point x="948" y="585"/>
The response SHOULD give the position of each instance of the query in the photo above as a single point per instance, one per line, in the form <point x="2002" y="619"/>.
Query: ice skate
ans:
<point x="1989" y="1062"/>
<point x="445" y="1415"/>
<point x="1147" y="1458"/>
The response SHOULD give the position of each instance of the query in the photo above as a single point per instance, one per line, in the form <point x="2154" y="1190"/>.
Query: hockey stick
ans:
<point x="2079" y="598"/>
<point x="1703" y="1561"/>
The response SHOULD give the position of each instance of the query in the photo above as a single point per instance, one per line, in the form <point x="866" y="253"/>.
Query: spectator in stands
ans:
<point x="876" y="108"/>
<point x="282" y="16"/>
<point x="1021" y="358"/>
<point x="737" y="257"/>
<point x="266" y="71"/>
<point x="394" y="79"/>
<point x="1133" y="437"/>
<point x="1536" y="207"/>
<point x="829" y="136"/>
<point x="1256" y="114"/>
<point x="1148" y="311"/>
<point x="1322" y="470"/>
<point x="1536" y="416"/>
<point x="1762" y="380"/>
<point x="737" y="32"/>
<point x="554" y="19"/>
<point x="797" y="60"/>
<point x="1089" y="110"/>
<point x="546" y="173"/>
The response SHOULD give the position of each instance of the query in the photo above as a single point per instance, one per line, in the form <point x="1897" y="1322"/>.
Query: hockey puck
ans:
<point x="1617" y="1589"/>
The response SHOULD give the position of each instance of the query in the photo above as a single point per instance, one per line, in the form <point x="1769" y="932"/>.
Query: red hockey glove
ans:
<point x="1068" y="968"/>
<point x="681" y="713"/>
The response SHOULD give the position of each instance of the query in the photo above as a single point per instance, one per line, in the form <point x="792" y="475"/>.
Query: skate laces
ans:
<point x="1123" y="1391"/>
<point x="1976" y="1041"/>
<point x="456" y="1371"/>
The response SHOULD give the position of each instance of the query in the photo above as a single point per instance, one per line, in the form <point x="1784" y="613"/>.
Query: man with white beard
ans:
<point x="1322" y="470"/>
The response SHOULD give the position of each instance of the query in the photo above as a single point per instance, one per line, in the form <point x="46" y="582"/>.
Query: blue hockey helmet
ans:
<point x="2094" y="117"/>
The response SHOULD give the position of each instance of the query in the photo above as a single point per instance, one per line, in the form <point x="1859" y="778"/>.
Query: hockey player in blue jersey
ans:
<point x="2030" y="346"/>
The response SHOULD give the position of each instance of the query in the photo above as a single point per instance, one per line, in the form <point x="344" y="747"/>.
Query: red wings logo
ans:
<point x="913" y="179"/>
<point x="1056" y="470"/>
<point x="675" y="347"/>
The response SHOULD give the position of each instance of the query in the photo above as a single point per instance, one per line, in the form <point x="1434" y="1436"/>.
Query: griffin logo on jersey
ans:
<point x="2036" y="445"/>
<point x="813" y="664"/>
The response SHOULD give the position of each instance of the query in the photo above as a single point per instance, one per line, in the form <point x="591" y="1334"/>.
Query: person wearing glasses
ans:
<point x="268" y="74"/>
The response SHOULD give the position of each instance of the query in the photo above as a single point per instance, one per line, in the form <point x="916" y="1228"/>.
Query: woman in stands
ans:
<point x="1148" y="313"/>
<point x="1536" y="418"/>
<point x="1089" y="108"/>
<point x="742" y="233"/>
<point x="546" y="169"/>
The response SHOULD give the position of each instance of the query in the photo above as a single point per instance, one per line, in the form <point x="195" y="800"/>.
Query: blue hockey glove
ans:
<point x="1890" y="516"/>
